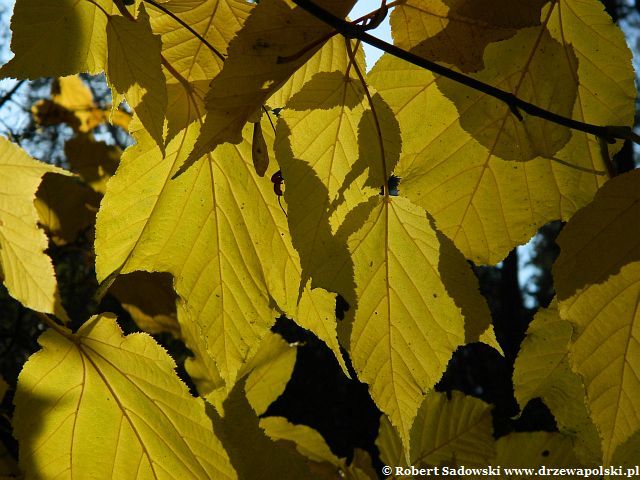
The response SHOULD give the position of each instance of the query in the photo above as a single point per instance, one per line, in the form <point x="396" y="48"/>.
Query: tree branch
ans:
<point x="7" y="96"/>
<point x="515" y="104"/>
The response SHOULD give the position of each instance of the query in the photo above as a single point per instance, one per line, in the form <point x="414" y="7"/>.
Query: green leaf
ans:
<point x="98" y="391"/>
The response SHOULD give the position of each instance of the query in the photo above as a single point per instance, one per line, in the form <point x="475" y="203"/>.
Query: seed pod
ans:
<point x="259" y="152"/>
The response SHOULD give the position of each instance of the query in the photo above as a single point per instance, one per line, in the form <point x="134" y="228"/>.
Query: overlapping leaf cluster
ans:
<point x="211" y="82"/>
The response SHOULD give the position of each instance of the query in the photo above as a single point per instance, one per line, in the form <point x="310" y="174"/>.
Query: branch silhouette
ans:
<point x="515" y="104"/>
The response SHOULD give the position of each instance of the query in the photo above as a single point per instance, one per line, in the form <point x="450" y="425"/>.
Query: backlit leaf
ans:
<point x="26" y="271"/>
<point x="269" y="372"/>
<point x="542" y="370"/>
<point x="97" y="390"/>
<point x="457" y="32"/>
<point x="308" y="441"/>
<point x="217" y="21"/>
<point x="452" y="431"/>
<point x="71" y="103"/>
<point x="252" y="452"/>
<point x="65" y="207"/>
<point x="406" y="326"/>
<point x="95" y="162"/>
<point x="133" y="69"/>
<point x="276" y="29"/>
<point x="326" y="139"/>
<point x="598" y="293"/>
<point x="227" y="255"/>
<point x="535" y="449"/>
<point x="53" y="39"/>
<point x="461" y="173"/>
<point x="150" y="300"/>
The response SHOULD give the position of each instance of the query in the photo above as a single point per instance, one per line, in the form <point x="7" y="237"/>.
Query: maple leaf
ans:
<point x="124" y="395"/>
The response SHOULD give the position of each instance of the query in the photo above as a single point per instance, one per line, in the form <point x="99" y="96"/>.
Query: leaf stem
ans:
<point x="52" y="324"/>
<point x="350" y="30"/>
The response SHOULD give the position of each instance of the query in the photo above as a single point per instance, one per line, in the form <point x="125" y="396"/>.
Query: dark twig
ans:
<point x="7" y="96"/>
<point x="515" y="104"/>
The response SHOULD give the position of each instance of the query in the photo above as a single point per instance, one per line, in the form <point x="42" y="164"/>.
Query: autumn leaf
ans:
<point x="269" y="372"/>
<point x="542" y="370"/>
<point x="454" y="430"/>
<point x="598" y="288"/>
<point x="252" y="452"/>
<point x="465" y="176"/>
<point x="271" y="41"/>
<point x="26" y="271"/>
<point x="227" y="255"/>
<point x="150" y="300"/>
<point x="54" y="39"/>
<point x="192" y="62"/>
<point x="97" y="390"/>
<point x="71" y="103"/>
<point x="535" y="449"/>
<point x="133" y="70"/>
<point x="406" y="326"/>
<point x="457" y="32"/>
<point x="65" y="207"/>
<point x="95" y="162"/>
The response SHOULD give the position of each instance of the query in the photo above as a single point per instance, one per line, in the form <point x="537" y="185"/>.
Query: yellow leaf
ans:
<point x="598" y="289"/>
<point x="533" y="450"/>
<point x="542" y="370"/>
<point x="332" y="57"/>
<point x="457" y="32"/>
<point x="276" y="29"/>
<point x="97" y="390"/>
<point x="65" y="207"/>
<point x="406" y="326"/>
<point x="455" y="430"/>
<point x="227" y="254"/>
<point x="150" y="300"/>
<point x="325" y="140"/>
<point x="389" y="444"/>
<point x="95" y="162"/>
<point x="308" y="441"/>
<point x="252" y="453"/>
<point x="53" y="39"/>
<point x="27" y="272"/>
<point x="72" y="103"/>
<point x="269" y="372"/>
<point x="217" y="21"/>
<point x="462" y="176"/>
<point x="133" y="69"/>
